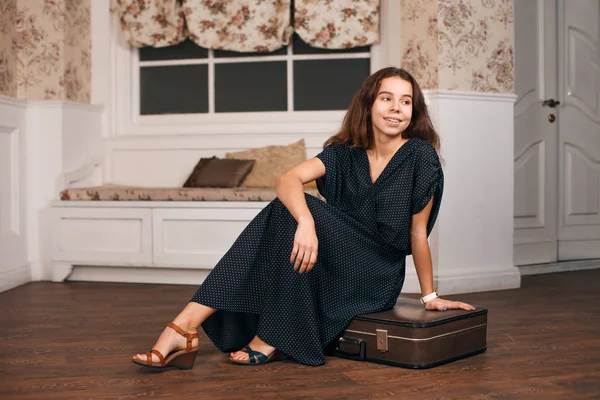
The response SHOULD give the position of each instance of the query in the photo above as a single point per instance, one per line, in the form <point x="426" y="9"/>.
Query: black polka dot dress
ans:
<point x="363" y="232"/>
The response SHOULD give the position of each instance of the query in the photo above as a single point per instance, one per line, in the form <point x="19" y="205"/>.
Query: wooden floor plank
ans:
<point x="75" y="340"/>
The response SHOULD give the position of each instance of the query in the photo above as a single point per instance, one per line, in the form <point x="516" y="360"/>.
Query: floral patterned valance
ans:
<point x="337" y="24"/>
<point x="154" y="23"/>
<point x="249" y="26"/>
<point x="244" y="26"/>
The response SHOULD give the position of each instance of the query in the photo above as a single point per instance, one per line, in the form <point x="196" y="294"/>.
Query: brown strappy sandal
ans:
<point x="182" y="359"/>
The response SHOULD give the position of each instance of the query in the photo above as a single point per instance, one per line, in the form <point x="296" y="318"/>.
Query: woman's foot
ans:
<point x="257" y="344"/>
<point x="168" y="342"/>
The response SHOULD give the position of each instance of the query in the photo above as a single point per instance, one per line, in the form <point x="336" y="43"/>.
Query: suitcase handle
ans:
<point x="362" y="347"/>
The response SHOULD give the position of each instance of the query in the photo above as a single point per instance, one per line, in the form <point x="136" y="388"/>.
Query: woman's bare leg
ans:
<point x="189" y="319"/>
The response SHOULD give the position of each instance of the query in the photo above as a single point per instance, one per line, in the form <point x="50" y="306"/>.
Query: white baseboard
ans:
<point x="467" y="281"/>
<point x="455" y="284"/>
<point x="564" y="266"/>
<point x="16" y="277"/>
<point x="38" y="271"/>
<point x="139" y="275"/>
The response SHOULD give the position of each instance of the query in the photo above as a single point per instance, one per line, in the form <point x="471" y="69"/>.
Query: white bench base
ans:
<point x="144" y="241"/>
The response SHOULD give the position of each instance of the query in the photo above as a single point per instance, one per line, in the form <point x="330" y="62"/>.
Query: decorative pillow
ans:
<point x="271" y="163"/>
<point x="215" y="172"/>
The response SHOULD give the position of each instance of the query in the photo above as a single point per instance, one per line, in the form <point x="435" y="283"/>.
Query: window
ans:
<point x="188" y="79"/>
<point x="146" y="97"/>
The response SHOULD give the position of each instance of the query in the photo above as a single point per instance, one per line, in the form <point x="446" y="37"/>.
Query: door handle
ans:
<point x="550" y="103"/>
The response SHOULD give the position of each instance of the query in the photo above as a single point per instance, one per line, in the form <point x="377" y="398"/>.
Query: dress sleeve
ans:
<point x="428" y="182"/>
<point x="329" y="158"/>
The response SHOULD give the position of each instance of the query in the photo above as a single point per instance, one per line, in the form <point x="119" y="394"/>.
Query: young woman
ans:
<point x="303" y="268"/>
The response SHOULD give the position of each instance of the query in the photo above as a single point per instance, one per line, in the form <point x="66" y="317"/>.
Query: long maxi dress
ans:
<point x="363" y="232"/>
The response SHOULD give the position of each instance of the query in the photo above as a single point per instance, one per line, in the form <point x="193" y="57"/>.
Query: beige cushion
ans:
<point x="271" y="163"/>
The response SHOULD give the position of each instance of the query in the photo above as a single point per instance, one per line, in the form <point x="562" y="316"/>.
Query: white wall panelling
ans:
<point x="166" y="161"/>
<point x="474" y="246"/>
<point x="40" y="141"/>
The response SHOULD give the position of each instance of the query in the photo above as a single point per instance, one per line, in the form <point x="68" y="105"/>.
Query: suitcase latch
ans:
<point x="382" y="340"/>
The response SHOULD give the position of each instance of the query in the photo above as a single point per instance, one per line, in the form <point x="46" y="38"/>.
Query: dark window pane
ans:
<point x="328" y="84"/>
<point x="255" y="86"/>
<point x="300" y="47"/>
<point x="224" y="53"/>
<point x="181" y="89"/>
<point x="184" y="50"/>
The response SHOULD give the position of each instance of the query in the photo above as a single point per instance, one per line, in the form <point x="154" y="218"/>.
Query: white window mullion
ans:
<point x="336" y="56"/>
<point x="290" y="78"/>
<point x="135" y="94"/>
<point x="229" y="60"/>
<point x="164" y="63"/>
<point x="211" y="81"/>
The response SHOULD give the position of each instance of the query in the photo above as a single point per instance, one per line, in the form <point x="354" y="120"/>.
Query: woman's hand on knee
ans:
<point x="306" y="244"/>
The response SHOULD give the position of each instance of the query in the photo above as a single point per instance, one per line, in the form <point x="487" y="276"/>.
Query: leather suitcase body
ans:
<point x="408" y="336"/>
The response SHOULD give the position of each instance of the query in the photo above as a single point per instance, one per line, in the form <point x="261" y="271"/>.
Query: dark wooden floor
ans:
<point x="74" y="341"/>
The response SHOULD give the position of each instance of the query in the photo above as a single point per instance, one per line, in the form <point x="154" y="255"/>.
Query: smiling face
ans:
<point x="392" y="109"/>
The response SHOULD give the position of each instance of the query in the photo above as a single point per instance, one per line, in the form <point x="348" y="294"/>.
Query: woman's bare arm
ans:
<point x="422" y="259"/>
<point x="420" y="249"/>
<point x="290" y="191"/>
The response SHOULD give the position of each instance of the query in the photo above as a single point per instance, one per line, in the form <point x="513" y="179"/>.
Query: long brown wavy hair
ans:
<point x="357" y="128"/>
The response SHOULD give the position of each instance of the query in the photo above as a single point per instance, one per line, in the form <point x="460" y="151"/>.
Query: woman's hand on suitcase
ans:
<point x="306" y="244"/>
<point x="439" y="304"/>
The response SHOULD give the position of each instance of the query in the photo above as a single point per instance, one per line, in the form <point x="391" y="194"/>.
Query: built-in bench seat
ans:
<point x="126" y="217"/>
<point x="149" y="235"/>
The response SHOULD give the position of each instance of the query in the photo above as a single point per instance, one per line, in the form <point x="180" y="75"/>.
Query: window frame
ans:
<point x="125" y="118"/>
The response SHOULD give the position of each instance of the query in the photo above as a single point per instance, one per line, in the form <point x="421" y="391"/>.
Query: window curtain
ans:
<point x="154" y="23"/>
<point x="249" y="25"/>
<point x="239" y="25"/>
<point x="337" y="24"/>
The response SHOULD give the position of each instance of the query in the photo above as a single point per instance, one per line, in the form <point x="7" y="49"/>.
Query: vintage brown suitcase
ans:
<point x="408" y="336"/>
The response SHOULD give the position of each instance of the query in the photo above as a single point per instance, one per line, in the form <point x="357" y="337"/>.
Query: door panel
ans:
<point x="13" y="246"/>
<point x="536" y="139"/>
<point x="579" y="130"/>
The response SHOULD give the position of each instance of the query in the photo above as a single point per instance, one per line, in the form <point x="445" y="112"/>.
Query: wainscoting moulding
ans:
<point x="55" y="136"/>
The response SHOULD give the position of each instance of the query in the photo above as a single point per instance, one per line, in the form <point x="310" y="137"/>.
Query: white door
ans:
<point x="536" y="137"/>
<point x="13" y="250"/>
<point x="579" y="129"/>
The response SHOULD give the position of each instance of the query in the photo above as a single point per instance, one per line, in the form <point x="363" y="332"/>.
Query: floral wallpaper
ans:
<point x="419" y="39"/>
<point x="459" y="44"/>
<point x="476" y="44"/>
<point x="77" y="73"/>
<point x="50" y="47"/>
<point x="8" y="62"/>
